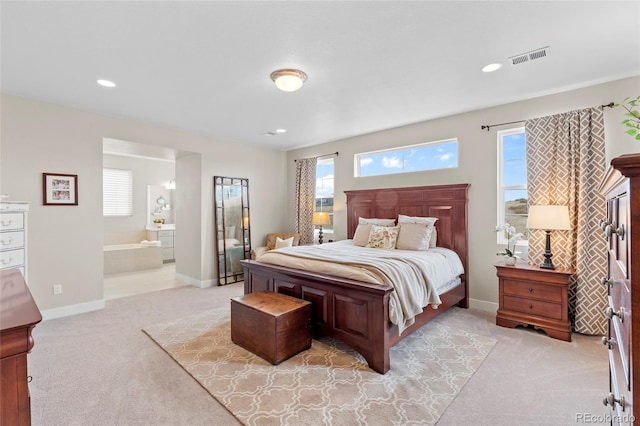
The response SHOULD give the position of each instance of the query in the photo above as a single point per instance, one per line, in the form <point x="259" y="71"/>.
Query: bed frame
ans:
<point x="357" y="313"/>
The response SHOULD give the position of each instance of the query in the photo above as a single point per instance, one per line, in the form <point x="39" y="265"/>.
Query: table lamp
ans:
<point x="549" y="218"/>
<point x="320" y="218"/>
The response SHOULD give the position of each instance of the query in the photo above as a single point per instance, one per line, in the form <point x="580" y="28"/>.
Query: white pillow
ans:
<point x="434" y="237"/>
<point x="280" y="243"/>
<point x="374" y="221"/>
<point x="361" y="236"/>
<point x="383" y="237"/>
<point x="414" y="236"/>
<point x="416" y="219"/>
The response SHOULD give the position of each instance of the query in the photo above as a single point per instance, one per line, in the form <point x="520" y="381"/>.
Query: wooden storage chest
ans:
<point x="273" y="326"/>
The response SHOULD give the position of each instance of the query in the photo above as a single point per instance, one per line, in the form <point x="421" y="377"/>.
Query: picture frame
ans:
<point x="59" y="189"/>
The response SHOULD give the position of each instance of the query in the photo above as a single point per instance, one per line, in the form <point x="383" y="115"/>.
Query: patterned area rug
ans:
<point x="329" y="383"/>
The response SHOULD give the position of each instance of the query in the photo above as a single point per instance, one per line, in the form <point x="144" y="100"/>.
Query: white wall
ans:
<point x="477" y="165"/>
<point x="66" y="242"/>
<point x="146" y="171"/>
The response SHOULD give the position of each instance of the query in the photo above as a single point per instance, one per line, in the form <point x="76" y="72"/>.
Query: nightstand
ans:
<point x="537" y="297"/>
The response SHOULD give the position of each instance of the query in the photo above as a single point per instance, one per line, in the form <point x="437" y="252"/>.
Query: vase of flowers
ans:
<point x="513" y="237"/>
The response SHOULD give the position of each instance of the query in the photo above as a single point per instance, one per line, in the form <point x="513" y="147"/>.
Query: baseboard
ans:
<point x="483" y="305"/>
<point x="196" y="283"/>
<point x="66" y="311"/>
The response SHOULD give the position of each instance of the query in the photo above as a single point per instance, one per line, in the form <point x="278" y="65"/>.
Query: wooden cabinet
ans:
<point x="166" y="237"/>
<point x="537" y="297"/>
<point x="18" y="315"/>
<point x="621" y="188"/>
<point x="13" y="236"/>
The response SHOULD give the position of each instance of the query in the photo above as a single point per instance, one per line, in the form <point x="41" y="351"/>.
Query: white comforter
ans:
<point x="416" y="276"/>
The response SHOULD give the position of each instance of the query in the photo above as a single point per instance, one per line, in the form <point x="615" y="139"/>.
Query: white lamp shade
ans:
<point x="548" y="218"/>
<point x="320" y="218"/>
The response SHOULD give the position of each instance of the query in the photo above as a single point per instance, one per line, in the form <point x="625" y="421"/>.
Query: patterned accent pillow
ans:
<point x="383" y="237"/>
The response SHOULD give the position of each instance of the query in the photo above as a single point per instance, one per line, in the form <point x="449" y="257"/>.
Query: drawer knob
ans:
<point x="609" y="342"/>
<point x="610" y="313"/>
<point x="611" y="400"/>
<point x="603" y="223"/>
<point x="6" y="222"/>
<point x="530" y="290"/>
<point x="6" y="261"/>
<point x="611" y="229"/>
<point x="7" y="242"/>
<point x="606" y="281"/>
<point x="530" y="306"/>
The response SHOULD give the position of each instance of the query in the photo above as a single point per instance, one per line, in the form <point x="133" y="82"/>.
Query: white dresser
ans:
<point x="13" y="236"/>
<point x="166" y="237"/>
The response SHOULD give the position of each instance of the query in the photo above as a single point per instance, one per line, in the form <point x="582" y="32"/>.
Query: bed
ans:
<point x="357" y="312"/>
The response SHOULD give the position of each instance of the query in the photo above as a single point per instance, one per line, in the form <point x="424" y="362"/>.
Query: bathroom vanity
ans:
<point x="166" y="235"/>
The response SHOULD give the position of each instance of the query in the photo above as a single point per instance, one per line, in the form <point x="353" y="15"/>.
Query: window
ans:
<point x="117" y="189"/>
<point x="324" y="190"/>
<point x="513" y="205"/>
<point x="414" y="158"/>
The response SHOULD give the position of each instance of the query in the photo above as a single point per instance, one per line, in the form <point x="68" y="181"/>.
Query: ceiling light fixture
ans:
<point x="491" y="67"/>
<point x="288" y="79"/>
<point x="106" y="83"/>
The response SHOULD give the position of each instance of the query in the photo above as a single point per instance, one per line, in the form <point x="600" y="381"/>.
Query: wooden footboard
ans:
<point x="354" y="312"/>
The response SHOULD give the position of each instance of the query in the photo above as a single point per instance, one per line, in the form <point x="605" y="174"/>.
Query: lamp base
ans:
<point x="547" y="264"/>
<point x="320" y="235"/>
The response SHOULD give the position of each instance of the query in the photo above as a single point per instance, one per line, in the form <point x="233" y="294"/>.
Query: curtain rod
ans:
<point x="489" y="126"/>
<point x="324" y="155"/>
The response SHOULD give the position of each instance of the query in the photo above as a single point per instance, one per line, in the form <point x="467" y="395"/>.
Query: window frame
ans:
<point x="500" y="237"/>
<point x="327" y="229"/>
<point x="356" y="157"/>
<point x="129" y="195"/>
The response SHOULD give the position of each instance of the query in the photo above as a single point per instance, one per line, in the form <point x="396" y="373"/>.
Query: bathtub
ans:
<point x="119" y="258"/>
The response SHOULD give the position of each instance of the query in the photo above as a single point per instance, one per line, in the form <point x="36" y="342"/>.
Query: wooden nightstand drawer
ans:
<point x="533" y="297"/>
<point x="533" y="307"/>
<point x="531" y="290"/>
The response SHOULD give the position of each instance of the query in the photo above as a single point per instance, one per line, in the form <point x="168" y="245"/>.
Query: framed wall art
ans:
<point x="59" y="189"/>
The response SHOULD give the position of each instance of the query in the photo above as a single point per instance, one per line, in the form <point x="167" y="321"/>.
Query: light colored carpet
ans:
<point x="329" y="383"/>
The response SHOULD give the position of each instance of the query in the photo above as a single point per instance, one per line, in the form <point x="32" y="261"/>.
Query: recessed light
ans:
<point x="281" y="130"/>
<point x="106" y="83"/>
<point x="491" y="67"/>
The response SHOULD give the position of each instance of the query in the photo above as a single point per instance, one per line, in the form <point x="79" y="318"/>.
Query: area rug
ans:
<point x="329" y="383"/>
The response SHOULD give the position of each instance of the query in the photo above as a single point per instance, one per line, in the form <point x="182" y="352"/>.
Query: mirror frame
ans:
<point x="228" y="266"/>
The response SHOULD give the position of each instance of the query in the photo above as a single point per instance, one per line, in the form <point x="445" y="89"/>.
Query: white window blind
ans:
<point x="117" y="189"/>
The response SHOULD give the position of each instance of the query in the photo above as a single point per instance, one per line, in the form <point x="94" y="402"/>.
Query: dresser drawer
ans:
<point x="533" y="307"/>
<point x="167" y="253"/>
<point x="11" y="240"/>
<point x="166" y="233"/>
<point x="11" y="258"/>
<point x="536" y="291"/>
<point x="10" y="221"/>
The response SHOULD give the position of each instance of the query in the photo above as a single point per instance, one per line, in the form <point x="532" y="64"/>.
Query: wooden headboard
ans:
<point x="446" y="202"/>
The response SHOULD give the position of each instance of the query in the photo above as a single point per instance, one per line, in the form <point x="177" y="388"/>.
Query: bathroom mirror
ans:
<point x="232" y="227"/>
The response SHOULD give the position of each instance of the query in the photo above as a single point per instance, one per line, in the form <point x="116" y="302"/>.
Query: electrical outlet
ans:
<point x="57" y="289"/>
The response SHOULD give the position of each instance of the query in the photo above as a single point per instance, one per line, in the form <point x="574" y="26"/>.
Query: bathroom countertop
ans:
<point x="161" y="227"/>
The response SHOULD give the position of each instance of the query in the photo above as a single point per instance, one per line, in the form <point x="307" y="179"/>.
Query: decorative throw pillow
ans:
<point x="283" y="243"/>
<point x="383" y="237"/>
<point x="375" y="221"/>
<point x="361" y="236"/>
<point x="413" y="236"/>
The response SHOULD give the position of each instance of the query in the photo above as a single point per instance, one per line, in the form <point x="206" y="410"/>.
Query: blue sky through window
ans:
<point x="426" y="157"/>
<point x="514" y="165"/>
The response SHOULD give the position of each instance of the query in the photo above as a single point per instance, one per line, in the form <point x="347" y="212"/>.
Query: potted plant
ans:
<point x="633" y="113"/>
<point x="509" y="252"/>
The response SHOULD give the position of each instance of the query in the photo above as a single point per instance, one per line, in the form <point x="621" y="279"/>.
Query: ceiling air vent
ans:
<point x="529" y="56"/>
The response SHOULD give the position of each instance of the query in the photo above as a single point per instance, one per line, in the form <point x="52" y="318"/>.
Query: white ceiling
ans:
<point x="204" y="66"/>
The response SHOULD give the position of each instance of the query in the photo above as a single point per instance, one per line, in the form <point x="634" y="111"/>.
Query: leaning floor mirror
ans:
<point x="233" y="234"/>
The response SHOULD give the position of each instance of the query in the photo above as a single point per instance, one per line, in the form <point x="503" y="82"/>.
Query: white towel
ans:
<point x="153" y="243"/>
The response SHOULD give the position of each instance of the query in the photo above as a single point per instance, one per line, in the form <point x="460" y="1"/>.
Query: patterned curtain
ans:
<point x="305" y="198"/>
<point x="565" y="165"/>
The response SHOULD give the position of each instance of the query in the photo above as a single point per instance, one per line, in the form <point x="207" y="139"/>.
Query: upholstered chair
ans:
<point x="270" y="242"/>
